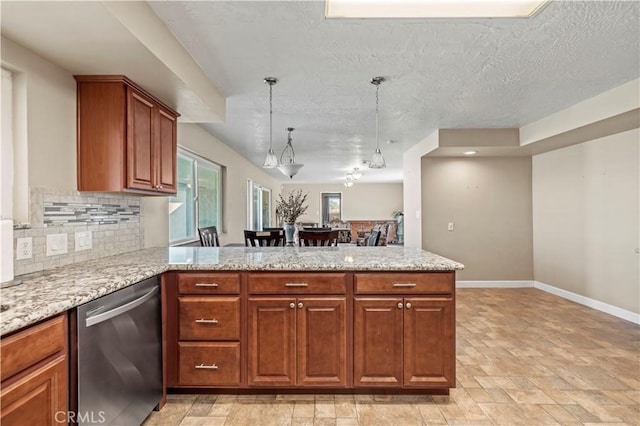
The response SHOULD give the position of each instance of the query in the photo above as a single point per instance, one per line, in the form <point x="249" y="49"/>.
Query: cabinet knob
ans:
<point x="300" y="305"/>
<point x="408" y="305"/>
<point x="292" y="305"/>
<point x="399" y="305"/>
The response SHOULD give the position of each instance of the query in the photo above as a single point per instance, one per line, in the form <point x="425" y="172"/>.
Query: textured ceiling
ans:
<point x="440" y="73"/>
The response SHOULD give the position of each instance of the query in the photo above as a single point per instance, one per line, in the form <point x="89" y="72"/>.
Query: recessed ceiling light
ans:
<point x="470" y="152"/>
<point x="432" y="8"/>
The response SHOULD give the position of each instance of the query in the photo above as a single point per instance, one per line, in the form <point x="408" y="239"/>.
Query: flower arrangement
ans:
<point x="293" y="207"/>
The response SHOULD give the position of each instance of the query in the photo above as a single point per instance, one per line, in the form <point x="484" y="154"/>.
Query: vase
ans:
<point x="289" y="232"/>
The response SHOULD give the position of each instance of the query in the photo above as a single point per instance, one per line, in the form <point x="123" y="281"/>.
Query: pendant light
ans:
<point x="377" y="161"/>
<point x="288" y="165"/>
<point x="271" y="160"/>
<point x="356" y="173"/>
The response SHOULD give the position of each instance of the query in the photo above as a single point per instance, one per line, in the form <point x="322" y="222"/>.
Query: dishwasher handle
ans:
<point x="96" y="319"/>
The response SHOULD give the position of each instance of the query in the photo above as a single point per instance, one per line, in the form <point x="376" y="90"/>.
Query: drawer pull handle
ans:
<point x="292" y="305"/>
<point x="408" y="305"/>
<point x="404" y="284"/>
<point x="300" y="305"/>
<point x="206" y="321"/>
<point x="206" y="284"/>
<point x="296" y="284"/>
<point x="400" y="305"/>
<point x="206" y="367"/>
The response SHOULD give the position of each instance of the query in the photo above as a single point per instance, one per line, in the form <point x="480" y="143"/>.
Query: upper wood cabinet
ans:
<point x="126" y="138"/>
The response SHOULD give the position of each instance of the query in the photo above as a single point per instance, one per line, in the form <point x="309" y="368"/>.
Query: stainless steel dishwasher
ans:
<point x="120" y="356"/>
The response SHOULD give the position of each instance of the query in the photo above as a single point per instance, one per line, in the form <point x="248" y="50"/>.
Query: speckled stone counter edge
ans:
<point x="53" y="291"/>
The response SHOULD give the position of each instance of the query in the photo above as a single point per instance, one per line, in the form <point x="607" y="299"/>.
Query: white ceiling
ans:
<point x="440" y="73"/>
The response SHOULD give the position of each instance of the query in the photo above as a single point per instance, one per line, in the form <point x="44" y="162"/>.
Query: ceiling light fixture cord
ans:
<point x="377" y="161"/>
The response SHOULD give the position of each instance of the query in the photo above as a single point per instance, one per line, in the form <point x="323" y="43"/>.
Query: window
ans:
<point x="259" y="206"/>
<point x="331" y="206"/>
<point x="197" y="203"/>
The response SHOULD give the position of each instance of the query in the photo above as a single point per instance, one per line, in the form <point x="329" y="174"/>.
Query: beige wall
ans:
<point x="412" y="188"/>
<point x="489" y="202"/>
<point x="44" y="124"/>
<point x="360" y="202"/>
<point x="586" y="210"/>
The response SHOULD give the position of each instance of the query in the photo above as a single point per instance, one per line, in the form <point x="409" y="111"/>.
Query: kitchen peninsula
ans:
<point x="359" y="318"/>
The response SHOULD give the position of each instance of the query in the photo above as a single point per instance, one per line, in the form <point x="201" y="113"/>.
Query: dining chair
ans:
<point x="209" y="236"/>
<point x="373" y="239"/>
<point x="263" y="238"/>
<point x="318" y="238"/>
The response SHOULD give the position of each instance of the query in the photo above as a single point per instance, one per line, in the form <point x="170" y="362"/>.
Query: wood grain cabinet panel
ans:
<point x="34" y="388"/>
<point x="404" y="283"/>
<point x="429" y="333"/>
<point x="127" y="139"/>
<point x="378" y="338"/>
<point x="208" y="318"/>
<point x="408" y="342"/>
<point x="297" y="283"/>
<point x="209" y="364"/>
<point x="208" y="283"/>
<point x="297" y="342"/>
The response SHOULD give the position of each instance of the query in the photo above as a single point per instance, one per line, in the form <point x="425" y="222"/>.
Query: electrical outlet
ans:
<point x="450" y="226"/>
<point x="24" y="248"/>
<point x="56" y="244"/>
<point x="84" y="241"/>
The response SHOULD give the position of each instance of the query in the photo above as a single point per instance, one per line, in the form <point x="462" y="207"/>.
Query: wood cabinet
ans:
<point x="206" y="329"/>
<point x="404" y="341"/>
<point x="34" y="375"/>
<point x="297" y="341"/>
<point x="297" y="329"/>
<point x="313" y="330"/>
<point x="127" y="139"/>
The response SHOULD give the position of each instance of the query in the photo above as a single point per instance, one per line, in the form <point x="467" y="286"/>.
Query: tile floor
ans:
<point x="524" y="357"/>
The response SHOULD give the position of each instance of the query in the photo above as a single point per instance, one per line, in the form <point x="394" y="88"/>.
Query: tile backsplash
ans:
<point x="114" y="220"/>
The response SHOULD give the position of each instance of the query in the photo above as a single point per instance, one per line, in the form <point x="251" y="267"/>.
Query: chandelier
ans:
<point x="288" y="165"/>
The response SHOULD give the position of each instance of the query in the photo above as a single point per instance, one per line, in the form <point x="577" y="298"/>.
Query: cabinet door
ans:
<point x="429" y="342"/>
<point x="322" y="342"/>
<point x="378" y="336"/>
<point x="140" y="133"/>
<point x="39" y="398"/>
<point x="166" y="148"/>
<point x="271" y="338"/>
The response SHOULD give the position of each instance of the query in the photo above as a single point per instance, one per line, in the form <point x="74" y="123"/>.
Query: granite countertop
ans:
<point x="47" y="293"/>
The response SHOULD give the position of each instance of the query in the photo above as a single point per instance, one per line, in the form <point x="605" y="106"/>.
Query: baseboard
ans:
<point x="587" y="301"/>
<point x="494" y="284"/>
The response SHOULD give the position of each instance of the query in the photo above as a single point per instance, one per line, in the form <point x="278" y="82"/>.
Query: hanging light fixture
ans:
<point x="356" y="173"/>
<point x="377" y="161"/>
<point x="288" y="165"/>
<point x="349" y="181"/>
<point x="271" y="160"/>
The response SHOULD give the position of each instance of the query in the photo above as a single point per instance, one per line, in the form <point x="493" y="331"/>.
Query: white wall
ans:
<point x="363" y="201"/>
<point x="586" y="213"/>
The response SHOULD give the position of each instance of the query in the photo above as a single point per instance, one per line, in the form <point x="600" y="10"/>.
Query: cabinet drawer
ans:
<point x="209" y="364"/>
<point x="207" y="283"/>
<point x="297" y="283"/>
<point x="209" y="318"/>
<point x="405" y="283"/>
<point x="27" y="347"/>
